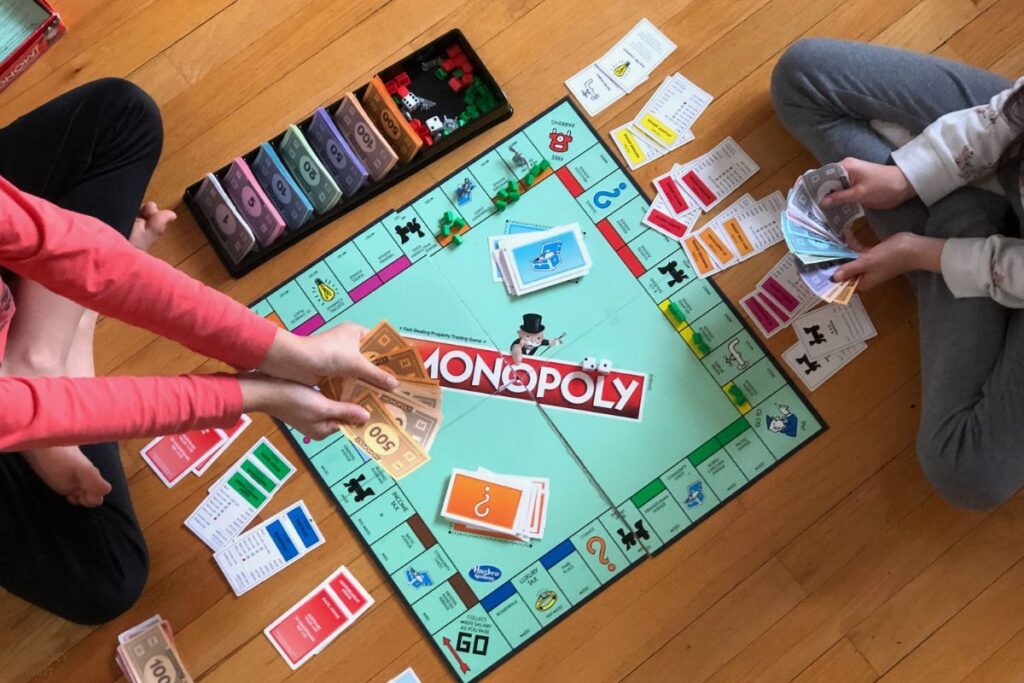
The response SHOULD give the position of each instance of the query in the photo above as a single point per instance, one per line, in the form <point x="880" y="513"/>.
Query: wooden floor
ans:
<point x="840" y="565"/>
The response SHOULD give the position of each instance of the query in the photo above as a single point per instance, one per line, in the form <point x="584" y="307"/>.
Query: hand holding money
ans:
<point x="332" y="353"/>
<point x="403" y="420"/>
<point x="875" y="186"/>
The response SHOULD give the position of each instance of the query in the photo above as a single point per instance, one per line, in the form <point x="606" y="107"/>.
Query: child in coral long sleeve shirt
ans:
<point x="72" y="178"/>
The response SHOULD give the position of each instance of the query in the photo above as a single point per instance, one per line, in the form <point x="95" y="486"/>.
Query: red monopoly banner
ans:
<point x="619" y="393"/>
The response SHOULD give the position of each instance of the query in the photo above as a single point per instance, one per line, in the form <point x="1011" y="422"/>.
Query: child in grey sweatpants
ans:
<point x="932" y="148"/>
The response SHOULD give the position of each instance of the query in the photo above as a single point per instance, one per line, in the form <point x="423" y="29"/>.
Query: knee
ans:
<point x="964" y="474"/>
<point x="138" y="114"/>
<point x="110" y="595"/>
<point x="797" y="67"/>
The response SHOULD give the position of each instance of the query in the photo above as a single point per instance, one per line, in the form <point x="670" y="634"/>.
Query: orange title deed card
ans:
<point x="477" y="500"/>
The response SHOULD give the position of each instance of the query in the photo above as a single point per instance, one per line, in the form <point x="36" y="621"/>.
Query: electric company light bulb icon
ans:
<point x="324" y="289"/>
<point x="621" y="69"/>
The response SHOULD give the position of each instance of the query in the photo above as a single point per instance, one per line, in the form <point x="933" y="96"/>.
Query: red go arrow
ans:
<point x="462" y="664"/>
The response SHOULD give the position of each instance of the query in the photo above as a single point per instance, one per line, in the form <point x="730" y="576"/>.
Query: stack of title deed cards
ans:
<point x="818" y="235"/>
<point x="255" y="556"/>
<point x="663" y="124"/>
<point x="496" y="505"/>
<point x="146" y="652"/>
<point x="404" y="422"/>
<point x="622" y="68"/>
<point x="827" y="339"/>
<point x="530" y="261"/>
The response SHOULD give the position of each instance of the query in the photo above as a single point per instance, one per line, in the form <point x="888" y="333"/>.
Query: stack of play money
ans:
<point x="404" y="422"/>
<point x="818" y="235"/>
<point x="147" y="653"/>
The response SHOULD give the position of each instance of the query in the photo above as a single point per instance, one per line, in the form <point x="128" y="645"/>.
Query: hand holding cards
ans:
<point x="817" y="235"/>
<point x="530" y="261"/>
<point x="403" y="422"/>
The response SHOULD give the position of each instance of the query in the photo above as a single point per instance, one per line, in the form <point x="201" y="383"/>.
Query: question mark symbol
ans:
<point x="482" y="509"/>
<point x="596" y="546"/>
<point x="603" y="199"/>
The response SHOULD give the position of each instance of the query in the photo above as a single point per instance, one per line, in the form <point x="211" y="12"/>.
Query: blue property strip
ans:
<point x="498" y="596"/>
<point x="281" y="540"/>
<point x="557" y="554"/>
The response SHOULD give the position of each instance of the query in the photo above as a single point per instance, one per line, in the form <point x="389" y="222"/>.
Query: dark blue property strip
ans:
<point x="281" y="540"/>
<point x="498" y="596"/>
<point x="307" y="534"/>
<point x="557" y="554"/>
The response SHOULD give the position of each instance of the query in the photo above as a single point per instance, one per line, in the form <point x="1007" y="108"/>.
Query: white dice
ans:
<point x="589" y="364"/>
<point x="604" y="367"/>
<point x="434" y="124"/>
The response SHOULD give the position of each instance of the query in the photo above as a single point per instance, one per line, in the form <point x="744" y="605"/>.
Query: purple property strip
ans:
<point x="310" y="326"/>
<point x="394" y="268"/>
<point x="364" y="288"/>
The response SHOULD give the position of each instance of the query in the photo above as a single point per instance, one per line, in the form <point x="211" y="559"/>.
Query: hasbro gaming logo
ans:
<point x="485" y="573"/>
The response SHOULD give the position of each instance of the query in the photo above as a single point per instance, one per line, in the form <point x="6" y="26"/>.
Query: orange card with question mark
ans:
<point x="482" y="502"/>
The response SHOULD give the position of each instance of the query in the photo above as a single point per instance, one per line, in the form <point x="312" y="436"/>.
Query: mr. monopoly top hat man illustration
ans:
<point x="531" y="338"/>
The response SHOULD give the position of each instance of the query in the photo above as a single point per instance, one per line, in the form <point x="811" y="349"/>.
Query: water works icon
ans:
<point x="485" y="573"/>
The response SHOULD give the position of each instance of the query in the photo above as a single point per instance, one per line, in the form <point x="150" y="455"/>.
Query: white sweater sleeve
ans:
<point x="958" y="148"/>
<point x="985" y="267"/>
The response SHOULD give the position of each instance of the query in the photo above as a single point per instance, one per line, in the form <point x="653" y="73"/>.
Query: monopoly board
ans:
<point x="635" y="457"/>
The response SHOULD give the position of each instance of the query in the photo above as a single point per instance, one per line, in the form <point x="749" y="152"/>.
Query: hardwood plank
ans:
<point x="930" y="599"/>
<point x="230" y="31"/>
<point x="969" y="638"/>
<point x="842" y="662"/>
<point x="842" y="533"/>
<point x="730" y="625"/>
<point x="1003" y="666"/>
<point x="988" y="37"/>
<point x="138" y="40"/>
<point x="852" y="593"/>
<point x="929" y="24"/>
<point x="160" y="78"/>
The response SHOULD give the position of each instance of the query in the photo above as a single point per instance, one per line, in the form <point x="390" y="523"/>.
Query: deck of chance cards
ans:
<point x="511" y="507"/>
<point x="530" y="261"/>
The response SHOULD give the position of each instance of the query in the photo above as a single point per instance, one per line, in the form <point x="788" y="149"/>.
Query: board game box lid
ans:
<point x="27" y="29"/>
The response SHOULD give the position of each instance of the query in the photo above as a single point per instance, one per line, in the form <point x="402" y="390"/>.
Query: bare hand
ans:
<point x="307" y="410"/>
<point x="899" y="254"/>
<point x="334" y="353"/>
<point x="876" y="186"/>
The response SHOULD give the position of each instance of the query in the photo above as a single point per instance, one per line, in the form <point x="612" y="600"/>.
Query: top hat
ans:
<point x="532" y="323"/>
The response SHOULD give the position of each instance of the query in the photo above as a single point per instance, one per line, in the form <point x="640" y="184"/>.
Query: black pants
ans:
<point x="91" y="150"/>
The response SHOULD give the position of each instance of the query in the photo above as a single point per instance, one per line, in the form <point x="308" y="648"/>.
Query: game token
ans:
<point x="308" y="170"/>
<point x="231" y="230"/>
<point x="280" y="187"/>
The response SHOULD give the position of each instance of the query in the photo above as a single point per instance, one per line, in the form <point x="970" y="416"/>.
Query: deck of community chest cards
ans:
<point x="530" y="261"/>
